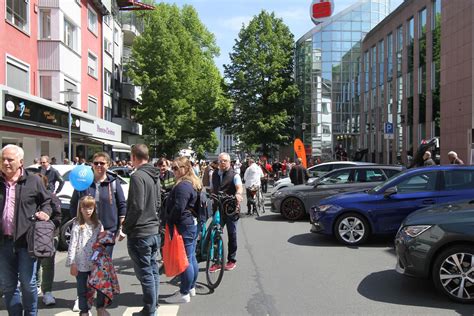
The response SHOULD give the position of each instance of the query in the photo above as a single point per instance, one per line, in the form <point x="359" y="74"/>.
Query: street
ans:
<point x="282" y="269"/>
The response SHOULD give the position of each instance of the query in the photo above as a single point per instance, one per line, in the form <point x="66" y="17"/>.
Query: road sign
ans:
<point x="388" y="130"/>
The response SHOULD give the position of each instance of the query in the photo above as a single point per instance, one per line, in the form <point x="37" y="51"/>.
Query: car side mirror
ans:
<point x="390" y="191"/>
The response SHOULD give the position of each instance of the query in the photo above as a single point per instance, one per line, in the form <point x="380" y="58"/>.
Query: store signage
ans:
<point x="19" y="109"/>
<point x="103" y="129"/>
<point x="321" y="10"/>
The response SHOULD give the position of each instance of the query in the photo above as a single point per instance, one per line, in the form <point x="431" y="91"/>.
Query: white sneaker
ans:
<point x="178" y="298"/>
<point x="76" y="306"/>
<point x="48" y="299"/>
<point x="192" y="292"/>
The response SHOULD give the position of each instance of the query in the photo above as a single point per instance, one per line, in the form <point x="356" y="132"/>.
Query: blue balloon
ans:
<point x="81" y="177"/>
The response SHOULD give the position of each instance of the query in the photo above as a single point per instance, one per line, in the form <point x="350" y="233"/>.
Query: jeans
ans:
<point x="189" y="276"/>
<point x="232" y="238"/>
<point x="143" y="252"/>
<point x="16" y="265"/>
<point x="81" y="286"/>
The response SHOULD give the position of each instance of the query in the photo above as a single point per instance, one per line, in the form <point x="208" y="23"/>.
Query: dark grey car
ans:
<point x="294" y="202"/>
<point x="438" y="243"/>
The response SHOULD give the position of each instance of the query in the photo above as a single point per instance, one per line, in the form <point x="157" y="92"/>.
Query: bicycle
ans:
<point x="256" y="200"/>
<point x="210" y="247"/>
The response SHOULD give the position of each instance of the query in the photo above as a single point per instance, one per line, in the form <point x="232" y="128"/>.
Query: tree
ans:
<point x="261" y="83"/>
<point x="182" y="100"/>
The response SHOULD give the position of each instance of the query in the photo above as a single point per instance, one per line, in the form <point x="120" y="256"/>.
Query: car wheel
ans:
<point x="453" y="273"/>
<point x="351" y="229"/>
<point x="292" y="209"/>
<point x="65" y="235"/>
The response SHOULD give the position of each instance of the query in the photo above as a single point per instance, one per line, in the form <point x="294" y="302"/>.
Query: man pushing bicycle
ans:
<point x="229" y="182"/>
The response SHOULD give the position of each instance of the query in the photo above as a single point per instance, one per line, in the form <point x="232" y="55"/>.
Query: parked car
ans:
<point x="294" y="202"/>
<point x="123" y="172"/>
<point x="65" y="197"/>
<point x="438" y="243"/>
<point x="353" y="217"/>
<point x="317" y="171"/>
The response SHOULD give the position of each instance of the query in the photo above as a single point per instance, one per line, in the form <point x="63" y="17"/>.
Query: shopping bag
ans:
<point x="321" y="9"/>
<point x="175" y="260"/>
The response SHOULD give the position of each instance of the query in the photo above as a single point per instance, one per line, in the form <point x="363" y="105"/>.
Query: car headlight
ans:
<point x="414" y="231"/>
<point x="324" y="208"/>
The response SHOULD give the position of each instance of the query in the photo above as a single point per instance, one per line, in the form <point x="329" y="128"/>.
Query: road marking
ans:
<point x="163" y="310"/>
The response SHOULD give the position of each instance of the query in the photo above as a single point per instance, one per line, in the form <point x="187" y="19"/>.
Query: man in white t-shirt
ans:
<point x="252" y="177"/>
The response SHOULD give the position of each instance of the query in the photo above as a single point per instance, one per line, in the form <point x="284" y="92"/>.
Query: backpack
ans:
<point x="40" y="238"/>
<point x="202" y="210"/>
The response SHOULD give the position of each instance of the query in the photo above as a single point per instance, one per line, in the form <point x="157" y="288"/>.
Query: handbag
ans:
<point x="175" y="260"/>
<point x="40" y="239"/>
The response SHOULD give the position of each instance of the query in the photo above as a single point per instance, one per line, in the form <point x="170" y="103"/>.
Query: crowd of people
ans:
<point x="104" y="215"/>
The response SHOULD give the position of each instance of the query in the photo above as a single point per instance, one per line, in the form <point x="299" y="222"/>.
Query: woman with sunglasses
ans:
<point x="178" y="212"/>
<point x="110" y="202"/>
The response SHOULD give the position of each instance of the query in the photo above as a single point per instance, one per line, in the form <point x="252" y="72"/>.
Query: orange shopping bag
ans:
<point x="174" y="253"/>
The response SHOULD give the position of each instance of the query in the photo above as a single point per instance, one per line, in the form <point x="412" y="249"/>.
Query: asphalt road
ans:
<point x="283" y="269"/>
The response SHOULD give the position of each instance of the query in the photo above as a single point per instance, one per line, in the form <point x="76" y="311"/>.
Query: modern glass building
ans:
<point x="402" y="82"/>
<point x="327" y="72"/>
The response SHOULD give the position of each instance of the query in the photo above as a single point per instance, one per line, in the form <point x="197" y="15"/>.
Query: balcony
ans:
<point x="128" y="126"/>
<point x="131" y="92"/>
<point x="55" y="56"/>
<point x="132" y="26"/>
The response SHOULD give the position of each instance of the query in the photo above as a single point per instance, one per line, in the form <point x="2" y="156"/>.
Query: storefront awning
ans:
<point x="116" y="146"/>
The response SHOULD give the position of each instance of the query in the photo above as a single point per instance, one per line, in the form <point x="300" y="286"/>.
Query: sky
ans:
<point x="224" y="18"/>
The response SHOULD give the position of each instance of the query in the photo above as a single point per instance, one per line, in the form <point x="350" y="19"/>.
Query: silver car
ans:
<point x="294" y="202"/>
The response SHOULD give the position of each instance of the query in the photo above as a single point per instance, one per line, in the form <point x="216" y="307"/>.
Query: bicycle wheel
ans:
<point x="215" y="260"/>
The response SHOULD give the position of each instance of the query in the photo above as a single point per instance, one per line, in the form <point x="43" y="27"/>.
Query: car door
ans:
<point x="413" y="192"/>
<point x="330" y="184"/>
<point x="456" y="185"/>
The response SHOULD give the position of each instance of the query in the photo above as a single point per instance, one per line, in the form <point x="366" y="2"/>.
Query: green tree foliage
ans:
<point x="261" y="83"/>
<point x="182" y="99"/>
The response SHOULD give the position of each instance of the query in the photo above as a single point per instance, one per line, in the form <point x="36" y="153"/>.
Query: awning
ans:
<point x="131" y="5"/>
<point x="116" y="146"/>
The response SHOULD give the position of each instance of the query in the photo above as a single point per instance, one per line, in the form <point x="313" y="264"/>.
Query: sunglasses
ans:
<point x="99" y="163"/>
<point x="175" y="168"/>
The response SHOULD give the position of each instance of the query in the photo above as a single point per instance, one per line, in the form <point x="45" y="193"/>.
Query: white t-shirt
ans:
<point x="252" y="175"/>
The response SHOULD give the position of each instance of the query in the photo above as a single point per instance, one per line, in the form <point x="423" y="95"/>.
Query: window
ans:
<point x="391" y="172"/>
<point x="337" y="177"/>
<point x="70" y="35"/>
<point x="45" y="24"/>
<point x="326" y="129"/>
<point x="369" y="175"/>
<point x="325" y="108"/>
<point x="107" y="19"/>
<point x="46" y="87"/>
<point x="92" y="20"/>
<point x="107" y="114"/>
<point x="92" y="65"/>
<point x="18" y="75"/>
<point x="107" y="81"/>
<point x="17" y="13"/>
<point x="458" y="180"/>
<point x="107" y="46"/>
<point x="418" y="183"/>
<point x="92" y="106"/>
<point x="116" y="36"/>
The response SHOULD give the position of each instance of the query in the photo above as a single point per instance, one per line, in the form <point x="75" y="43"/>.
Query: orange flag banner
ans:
<point x="300" y="151"/>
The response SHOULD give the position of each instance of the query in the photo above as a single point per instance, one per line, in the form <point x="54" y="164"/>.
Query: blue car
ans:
<point x="353" y="217"/>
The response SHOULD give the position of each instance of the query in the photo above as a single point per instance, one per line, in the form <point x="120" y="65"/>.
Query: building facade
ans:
<point x="327" y="72"/>
<point x="51" y="46"/>
<point x="402" y="82"/>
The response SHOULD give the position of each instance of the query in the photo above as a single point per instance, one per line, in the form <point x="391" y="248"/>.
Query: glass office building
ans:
<point x="327" y="72"/>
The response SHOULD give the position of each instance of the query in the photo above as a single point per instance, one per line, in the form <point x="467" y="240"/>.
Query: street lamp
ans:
<point x="69" y="96"/>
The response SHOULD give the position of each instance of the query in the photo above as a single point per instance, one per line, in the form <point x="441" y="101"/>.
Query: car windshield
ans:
<point x="387" y="183"/>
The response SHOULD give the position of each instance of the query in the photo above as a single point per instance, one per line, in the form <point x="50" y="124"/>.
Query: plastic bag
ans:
<point x="174" y="253"/>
